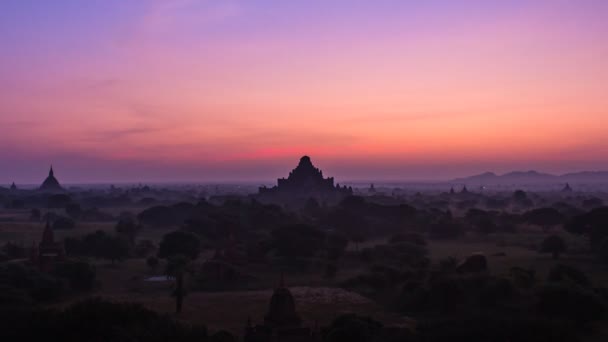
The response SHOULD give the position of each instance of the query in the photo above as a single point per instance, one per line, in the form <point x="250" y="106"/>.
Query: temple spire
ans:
<point x="51" y="173"/>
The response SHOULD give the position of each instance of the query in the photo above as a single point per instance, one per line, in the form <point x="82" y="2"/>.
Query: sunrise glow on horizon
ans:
<point x="202" y="90"/>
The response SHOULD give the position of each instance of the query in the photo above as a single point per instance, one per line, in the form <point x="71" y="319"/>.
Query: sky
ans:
<point x="226" y="90"/>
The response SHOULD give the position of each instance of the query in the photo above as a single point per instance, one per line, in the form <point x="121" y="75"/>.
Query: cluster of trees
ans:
<point x="23" y="284"/>
<point x="97" y="320"/>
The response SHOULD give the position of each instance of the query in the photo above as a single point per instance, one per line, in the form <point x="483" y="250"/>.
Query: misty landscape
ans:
<point x="303" y="171"/>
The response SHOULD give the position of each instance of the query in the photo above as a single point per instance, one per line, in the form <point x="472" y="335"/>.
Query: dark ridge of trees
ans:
<point x="158" y="216"/>
<point x="97" y="320"/>
<point x="546" y="218"/>
<point x="100" y="245"/>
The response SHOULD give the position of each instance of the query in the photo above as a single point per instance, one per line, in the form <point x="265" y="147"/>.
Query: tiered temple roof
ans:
<point x="306" y="180"/>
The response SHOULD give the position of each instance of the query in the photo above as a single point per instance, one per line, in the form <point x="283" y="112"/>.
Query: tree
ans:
<point x="58" y="201"/>
<point x="179" y="243"/>
<point x="592" y="224"/>
<point x="553" y="244"/>
<point x="336" y="245"/>
<point x="297" y="241"/>
<point x="544" y="217"/>
<point x="177" y="266"/>
<point x="80" y="274"/>
<point x="35" y="214"/>
<point x="63" y="223"/>
<point x="152" y="262"/>
<point x="73" y="210"/>
<point x="144" y="248"/>
<point x="158" y="216"/>
<point x="603" y="251"/>
<point x="114" y="248"/>
<point x="128" y="229"/>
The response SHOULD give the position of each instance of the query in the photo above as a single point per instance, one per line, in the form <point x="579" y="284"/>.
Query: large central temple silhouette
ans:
<point x="304" y="182"/>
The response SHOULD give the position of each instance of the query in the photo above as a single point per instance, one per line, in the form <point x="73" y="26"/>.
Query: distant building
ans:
<point x="51" y="184"/>
<point x="282" y="322"/>
<point x="48" y="251"/>
<point x="567" y="188"/>
<point x="13" y="187"/>
<point x="304" y="182"/>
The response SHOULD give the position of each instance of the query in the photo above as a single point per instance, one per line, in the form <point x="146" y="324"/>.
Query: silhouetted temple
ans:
<point x="51" y="183"/>
<point x="567" y="188"/>
<point x="48" y="251"/>
<point x="13" y="187"/>
<point x="282" y="322"/>
<point x="306" y="181"/>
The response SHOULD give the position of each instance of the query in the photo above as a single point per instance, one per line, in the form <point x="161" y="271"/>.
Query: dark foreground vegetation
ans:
<point x="537" y="274"/>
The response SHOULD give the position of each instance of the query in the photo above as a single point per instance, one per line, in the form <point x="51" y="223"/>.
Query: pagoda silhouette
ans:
<point x="305" y="181"/>
<point x="51" y="184"/>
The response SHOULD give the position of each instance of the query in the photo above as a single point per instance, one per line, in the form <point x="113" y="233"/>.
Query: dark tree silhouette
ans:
<point x="553" y="244"/>
<point x="297" y="241"/>
<point x="73" y="210"/>
<point x="129" y="229"/>
<point x="544" y="217"/>
<point x="179" y="243"/>
<point x="177" y="267"/>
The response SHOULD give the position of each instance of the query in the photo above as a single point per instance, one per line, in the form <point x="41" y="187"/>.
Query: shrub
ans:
<point x="80" y="274"/>
<point x="571" y="302"/>
<point x="62" y="223"/>
<point x="553" y="244"/>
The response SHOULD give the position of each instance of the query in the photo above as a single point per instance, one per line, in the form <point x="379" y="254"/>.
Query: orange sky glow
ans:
<point x="239" y="90"/>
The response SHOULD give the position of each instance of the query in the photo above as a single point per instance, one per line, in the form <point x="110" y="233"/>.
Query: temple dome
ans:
<point x="51" y="183"/>
<point x="282" y="309"/>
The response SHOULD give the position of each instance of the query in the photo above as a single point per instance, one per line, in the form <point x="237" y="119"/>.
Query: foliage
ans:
<point x="544" y="217"/>
<point x="152" y="262"/>
<point x="143" y="248"/>
<point x="352" y="328"/>
<point x="80" y="274"/>
<point x="73" y="210"/>
<point x="97" y="320"/>
<point x="179" y="243"/>
<point x="571" y="302"/>
<point x="553" y="244"/>
<point x="297" y="241"/>
<point x="159" y="216"/>
<point x="128" y="228"/>
<point x="28" y="281"/>
<point x="62" y="223"/>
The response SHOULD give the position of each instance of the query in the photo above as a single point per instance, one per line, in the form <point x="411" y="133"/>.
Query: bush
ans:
<point x="80" y="274"/>
<point x="553" y="244"/>
<point x="570" y="302"/>
<point x="152" y="262"/>
<point x="144" y="248"/>
<point x="568" y="274"/>
<point x="412" y="238"/>
<point x="73" y="210"/>
<point x="24" y="279"/>
<point x="158" y="216"/>
<point x="330" y="271"/>
<point x="97" y="320"/>
<point x="353" y="328"/>
<point x="179" y="243"/>
<point x="62" y="223"/>
<point x="446" y="230"/>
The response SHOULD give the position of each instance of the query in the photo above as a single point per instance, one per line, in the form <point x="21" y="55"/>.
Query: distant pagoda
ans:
<point x="51" y="184"/>
<point x="306" y="181"/>
<point x="567" y="188"/>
